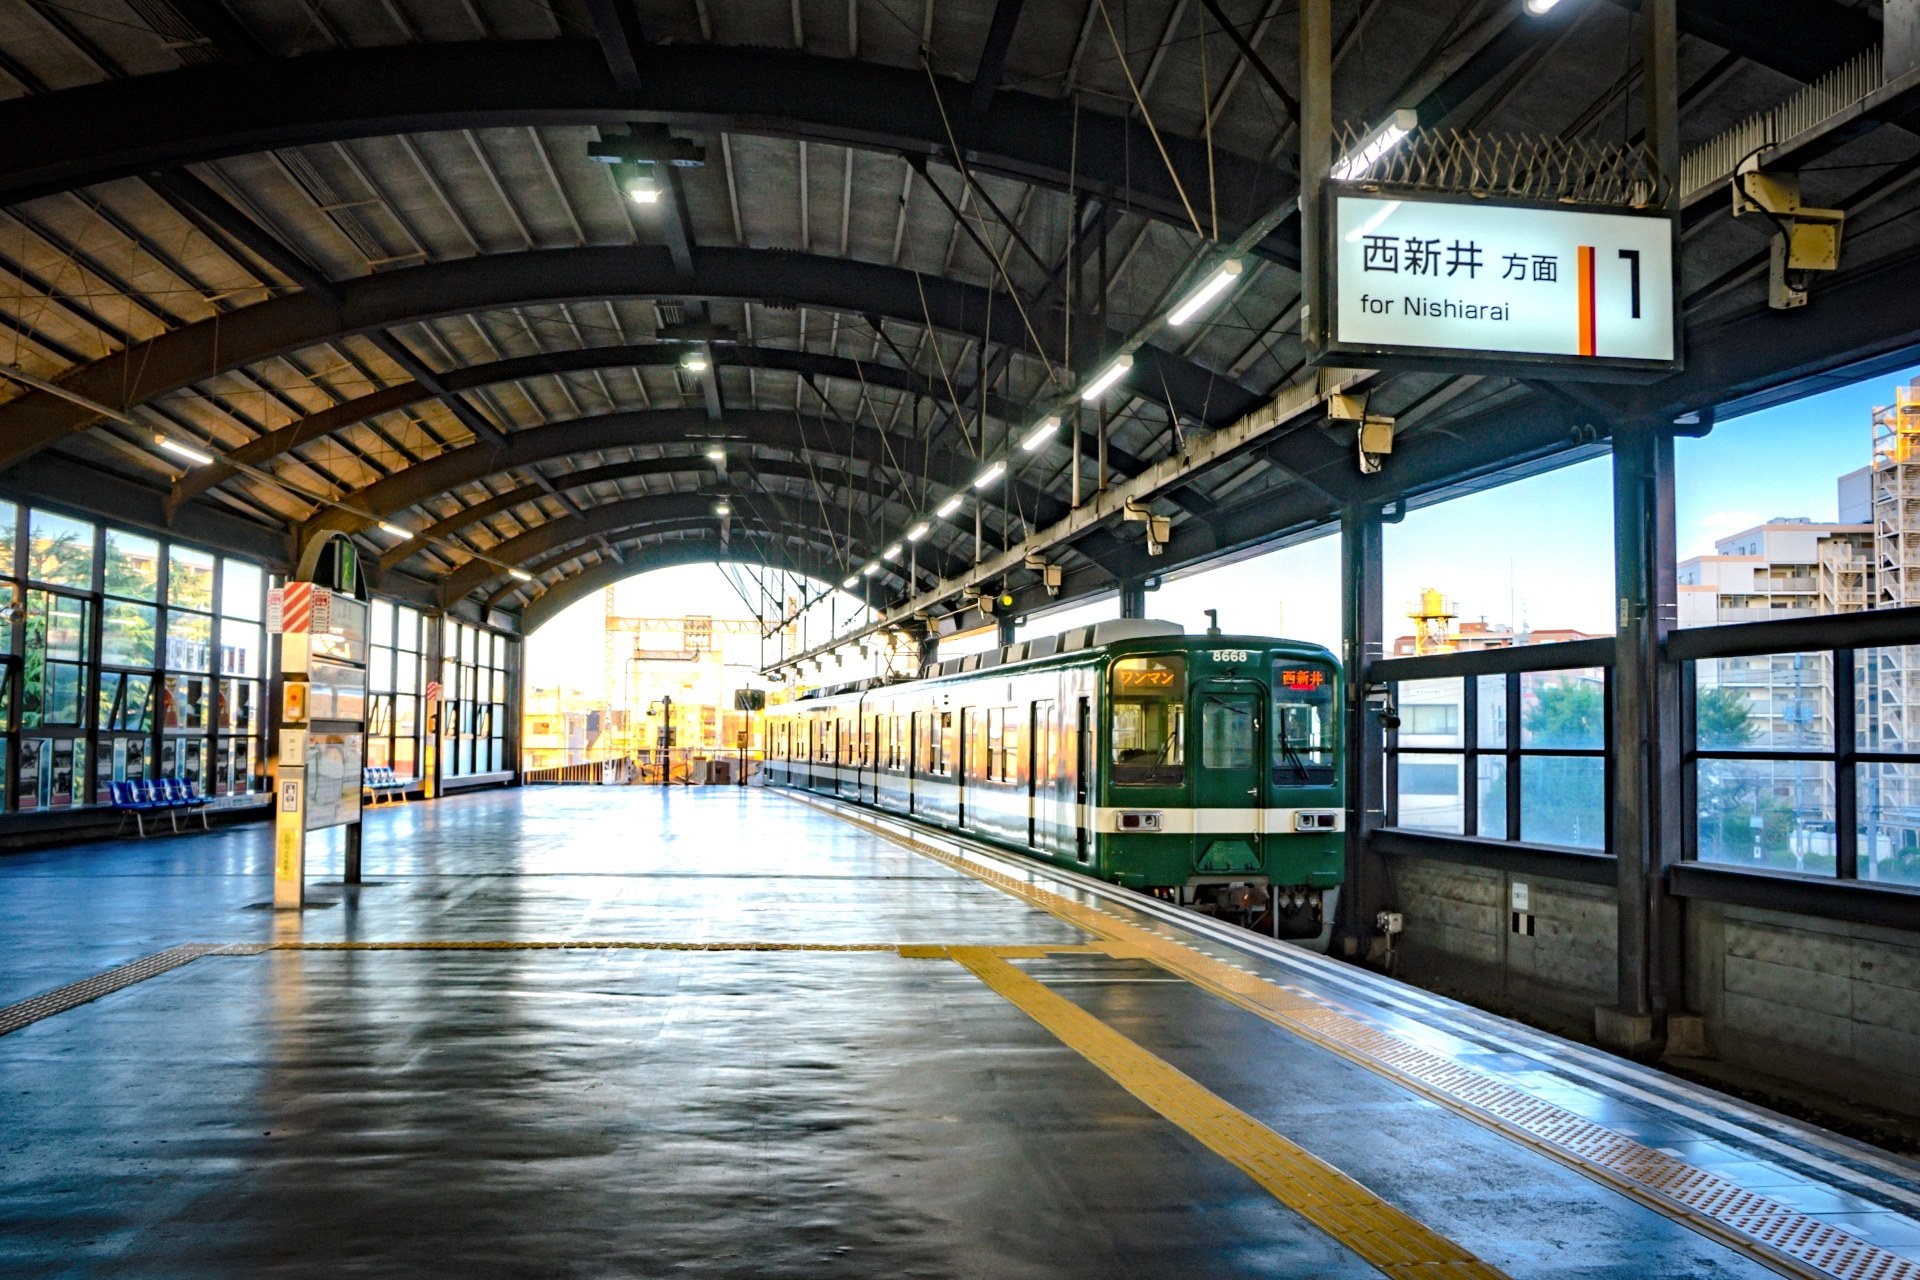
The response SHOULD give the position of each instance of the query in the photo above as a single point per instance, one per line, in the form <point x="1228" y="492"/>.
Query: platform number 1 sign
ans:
<point x="1441" y="282"/>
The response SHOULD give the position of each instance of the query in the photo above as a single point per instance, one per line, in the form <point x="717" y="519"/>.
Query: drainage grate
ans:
<point x="27" y="1012"/>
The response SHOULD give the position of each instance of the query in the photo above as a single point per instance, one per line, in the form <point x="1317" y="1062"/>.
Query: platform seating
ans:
<point x="379" y="783"/>
<point x="131" y="800"/>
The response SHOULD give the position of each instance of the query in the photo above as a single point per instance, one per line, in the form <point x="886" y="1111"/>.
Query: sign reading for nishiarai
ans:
<point x="1457" y="279"/>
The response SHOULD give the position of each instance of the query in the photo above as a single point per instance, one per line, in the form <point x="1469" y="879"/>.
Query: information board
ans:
<point x="1429" y="283"/>
<point x="333" y="779"/>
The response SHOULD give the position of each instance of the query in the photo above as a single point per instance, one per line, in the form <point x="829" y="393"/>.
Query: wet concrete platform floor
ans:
<point x="666" y="1112"/>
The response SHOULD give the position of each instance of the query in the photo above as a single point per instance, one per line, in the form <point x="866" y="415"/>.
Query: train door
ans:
<point x="914" y="761"/>
<point x="1083" y="780"/>
<point x="1043" y="766"/>
<point x="963" y="764"/>
<point x="1227" y="784"/>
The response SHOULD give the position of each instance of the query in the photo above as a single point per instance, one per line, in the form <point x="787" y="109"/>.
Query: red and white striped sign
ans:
<point x="433" y="691"/>
<point x="299" y="607"/>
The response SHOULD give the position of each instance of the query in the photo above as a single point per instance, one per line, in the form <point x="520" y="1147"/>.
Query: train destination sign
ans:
<point x="1440" y="283"/>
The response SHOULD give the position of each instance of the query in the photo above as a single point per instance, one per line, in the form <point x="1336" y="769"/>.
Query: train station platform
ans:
<point x="621" y="1031"/>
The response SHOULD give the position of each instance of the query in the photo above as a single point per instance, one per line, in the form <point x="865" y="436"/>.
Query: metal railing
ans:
<point x="1505" y="744"/>
<point x="1810" y="762"/>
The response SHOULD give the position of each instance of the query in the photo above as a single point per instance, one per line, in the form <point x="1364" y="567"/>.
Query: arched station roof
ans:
<point x="362" y="257"/>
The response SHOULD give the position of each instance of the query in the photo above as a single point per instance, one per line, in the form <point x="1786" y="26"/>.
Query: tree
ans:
<point x="1723" y="719"/>
<point x="1563" y="798"/>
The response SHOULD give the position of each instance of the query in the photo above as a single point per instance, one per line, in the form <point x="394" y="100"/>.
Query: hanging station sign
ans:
<point x="1474" y="285"/>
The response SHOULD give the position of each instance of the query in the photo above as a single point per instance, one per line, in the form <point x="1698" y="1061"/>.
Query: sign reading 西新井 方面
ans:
<point x="1439" y="282"/>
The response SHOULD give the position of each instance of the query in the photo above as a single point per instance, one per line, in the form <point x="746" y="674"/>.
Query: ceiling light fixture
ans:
<point x="190" y="454"/>
<point x="950" y="506"/>
<point x="1041" y="431"/>
<point x="893" y="552"/>
<point x="918" y="531"/>
<point x="694" y="364"/>
<point x="1382" y="139"/>
<point x="520" y="575"/>
<point x="1228" y="272"/>
<point x="991" y="474"/>
<point x="722" y="509"/>
<point x="872" y="569"/>
<point x="639" y="184"/>
<point x="395" y="530"/>
<point x="1538" y="7"/>
<point x="1108" y="376"/>
<point x="851" y="583"/>
<point x="718" y="455"/>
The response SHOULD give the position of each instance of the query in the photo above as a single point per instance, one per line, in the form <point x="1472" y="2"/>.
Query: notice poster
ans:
<point x="1450" y="278"/>
<point x="333" y="779"/>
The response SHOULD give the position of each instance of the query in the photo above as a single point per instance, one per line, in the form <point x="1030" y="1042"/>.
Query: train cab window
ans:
<point x="1226" y="733"/>
<point x="1150" y="721"/>
<point x="1302" y="724"/>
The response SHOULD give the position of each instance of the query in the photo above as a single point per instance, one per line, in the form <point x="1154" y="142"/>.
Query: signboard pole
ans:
<point x="1316" y="160"/>
<point x="290" y="777"/>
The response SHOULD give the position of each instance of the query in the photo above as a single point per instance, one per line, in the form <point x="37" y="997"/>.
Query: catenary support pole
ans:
<point x="1362" y="631"/>
<point x="1133" y="598"/>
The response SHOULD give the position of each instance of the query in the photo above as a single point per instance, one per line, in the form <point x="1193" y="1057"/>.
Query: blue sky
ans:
<point x="1539" y="551"/>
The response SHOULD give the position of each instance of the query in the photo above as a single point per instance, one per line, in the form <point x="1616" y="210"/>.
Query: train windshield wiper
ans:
<point x="1286" y="749"/>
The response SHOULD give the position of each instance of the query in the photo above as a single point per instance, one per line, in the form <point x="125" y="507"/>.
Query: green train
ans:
<point x="1203" y="769"/>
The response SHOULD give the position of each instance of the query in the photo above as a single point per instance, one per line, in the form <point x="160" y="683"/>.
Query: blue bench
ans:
<point x="140" y="799"/>
<point x="378" y="782"/>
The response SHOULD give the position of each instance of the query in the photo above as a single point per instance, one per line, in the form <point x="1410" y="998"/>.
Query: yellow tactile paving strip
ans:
<point x="1381" y="1234"/>
<point x="75" y="994"/>
<point x="1765" y="1229"/>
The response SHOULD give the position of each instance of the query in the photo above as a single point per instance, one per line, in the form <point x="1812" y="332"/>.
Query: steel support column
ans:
<point x="1363" y="635"/>
<point x="1628" y="1024"/>
<point x="1316" y="161"/>
<point x="1133" y="598"/>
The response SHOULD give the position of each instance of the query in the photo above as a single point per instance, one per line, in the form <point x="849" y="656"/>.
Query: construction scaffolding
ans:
<point x="1888" y="679"/>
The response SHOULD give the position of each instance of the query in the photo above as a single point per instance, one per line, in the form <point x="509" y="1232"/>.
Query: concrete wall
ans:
<point x="1832" y="1006"/>
<point x="1459" y="939"/>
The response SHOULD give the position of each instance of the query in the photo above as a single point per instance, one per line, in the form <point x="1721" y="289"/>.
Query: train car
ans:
<point x="1203" y="769"/>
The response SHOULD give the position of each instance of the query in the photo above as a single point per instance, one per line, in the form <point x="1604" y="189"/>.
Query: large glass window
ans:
<point x="1453" y="760"/>
<point x="108" y="670"/>
<point x="1149" y="720"/>
<point x="475" y="668"/>
<point x="1303" y="724"/>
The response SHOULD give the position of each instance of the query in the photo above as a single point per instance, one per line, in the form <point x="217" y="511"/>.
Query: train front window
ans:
<point x="1150" y="721"/>
<point x="1302" y="724"/>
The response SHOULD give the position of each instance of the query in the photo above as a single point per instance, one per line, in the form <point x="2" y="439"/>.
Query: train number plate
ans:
<point x="1229" y="655"/>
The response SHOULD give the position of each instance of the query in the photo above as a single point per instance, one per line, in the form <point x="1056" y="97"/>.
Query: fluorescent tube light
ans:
<point x="190" y="454"/>
<point x="395" y="530"/>
<point x="718" y="455"/>
<point x="991" y="474"/>
<point x="1376" y="144"/>
<point x="1538" y="7"/>
<point x="694" y="364"/>
<point x="950" y="506"/>
<point x="722" y="509"/>
<point x="520" y="575"/>
<point x="1038" y="436"/>
<point x="918" y="531"/>
<point x="851" y="583"/>
<point x="1108" y="376"/>
<point x="1229" y="272"/>
<point x="893" y="552"/>
<point x="872" y="569"/>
